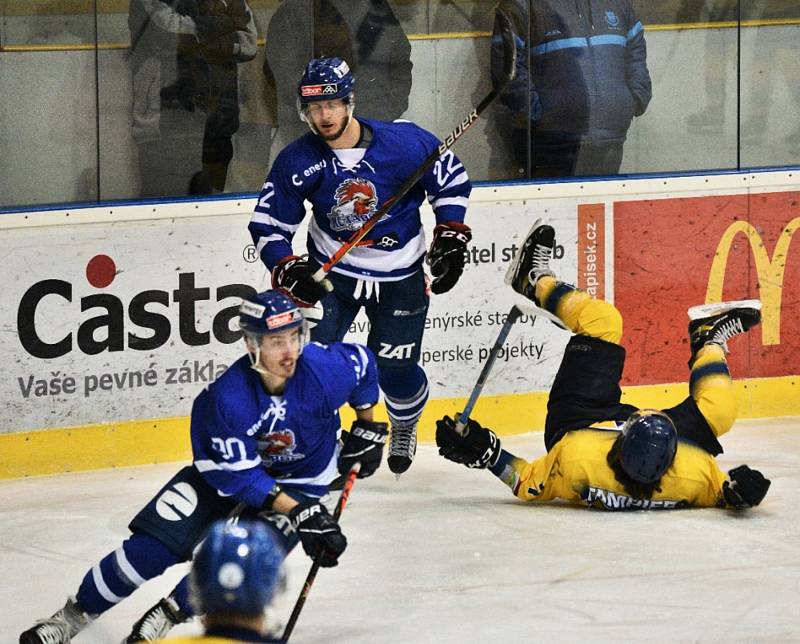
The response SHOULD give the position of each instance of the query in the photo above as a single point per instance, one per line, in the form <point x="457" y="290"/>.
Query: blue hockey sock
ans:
<point x="181" y="596"/>
<point x="118" y="574"/>
<point x="405" y="391"/>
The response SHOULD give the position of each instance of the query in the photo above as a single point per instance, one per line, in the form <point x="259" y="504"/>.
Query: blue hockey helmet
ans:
<point x="268" y="312"/>
<point x="649" y="444"/>
<point x="236" y="569"/>
<point x="325" y="79"/>
<point x="265" y="313"/>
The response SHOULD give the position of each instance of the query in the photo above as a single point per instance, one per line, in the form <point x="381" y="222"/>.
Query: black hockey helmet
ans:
<point x="648" y="446"/>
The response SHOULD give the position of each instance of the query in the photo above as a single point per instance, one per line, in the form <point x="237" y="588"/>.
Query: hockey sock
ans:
<point x="405" y="391"/>
<point x="141" y="557"/>
<point x="579" y="311"/>
<point x="711" y="388"/>
<point x="181" y="596"/>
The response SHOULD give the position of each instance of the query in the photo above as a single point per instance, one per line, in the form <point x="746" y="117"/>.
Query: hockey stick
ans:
<point x="513" y="316"/>
<point x="509" y="69"/>
<point x="312" y="574"/>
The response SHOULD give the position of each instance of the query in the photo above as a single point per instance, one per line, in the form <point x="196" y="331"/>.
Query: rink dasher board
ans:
<point x="176" y="266"/>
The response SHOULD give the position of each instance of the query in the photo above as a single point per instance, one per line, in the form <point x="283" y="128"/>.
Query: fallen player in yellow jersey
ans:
<point x="659" y="458"/>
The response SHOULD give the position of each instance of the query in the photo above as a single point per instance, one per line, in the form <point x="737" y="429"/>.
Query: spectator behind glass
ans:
<point x="366" y="34"/>
<point x="208" y="81"/>
<point x="166" y="143"/>
<point x="581" y="78"/>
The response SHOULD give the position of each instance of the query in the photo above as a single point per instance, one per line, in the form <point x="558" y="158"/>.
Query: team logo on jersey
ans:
<point x="611" y="19"/>
<point x="278" y="447"/>
<point x="356" y="201"/>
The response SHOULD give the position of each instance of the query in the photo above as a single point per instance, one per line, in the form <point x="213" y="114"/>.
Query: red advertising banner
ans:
<point x="671" y="254"/>
<point x="591" y="249"/>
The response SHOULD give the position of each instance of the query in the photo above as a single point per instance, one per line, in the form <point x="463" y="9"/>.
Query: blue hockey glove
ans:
<point x="447" y="254"/>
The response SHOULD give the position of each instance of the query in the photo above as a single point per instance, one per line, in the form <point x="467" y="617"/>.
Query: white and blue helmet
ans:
<point x="266" y="313"/>
<point x="237" y="569"/>
<point x="325" y="79"/>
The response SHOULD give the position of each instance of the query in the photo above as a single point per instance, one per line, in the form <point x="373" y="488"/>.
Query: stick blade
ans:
<point x="505" y="28"/>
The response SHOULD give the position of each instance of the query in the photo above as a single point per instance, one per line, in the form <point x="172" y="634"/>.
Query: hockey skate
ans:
<point x="532" y="260"/>
<point x="402" y="447"/>
<point x="58" y="629"/>
<point x="718" y="323"/>
<point x="156" y="622"/>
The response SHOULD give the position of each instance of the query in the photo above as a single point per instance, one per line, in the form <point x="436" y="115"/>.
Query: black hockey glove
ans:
<point x="477" y="448"/>
<point x="446" y="256"/>
<point x="318" y="532"/>
<point x="746" y="488"/>
<point x="363" y="443"/>
<point x="294" y="277"/>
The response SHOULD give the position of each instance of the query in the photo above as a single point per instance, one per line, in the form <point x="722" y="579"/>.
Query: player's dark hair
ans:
<point x="634" y="489"/>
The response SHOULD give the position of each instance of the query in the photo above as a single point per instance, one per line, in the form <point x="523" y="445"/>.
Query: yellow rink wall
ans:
<point x="74" y="449"/>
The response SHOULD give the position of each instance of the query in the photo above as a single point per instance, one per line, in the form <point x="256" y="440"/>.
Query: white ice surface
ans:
<point x="446" y="554"/>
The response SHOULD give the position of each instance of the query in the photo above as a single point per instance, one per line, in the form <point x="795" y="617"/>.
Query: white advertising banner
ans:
<point x="106" y="320"/>
<point x="118" y="321"/>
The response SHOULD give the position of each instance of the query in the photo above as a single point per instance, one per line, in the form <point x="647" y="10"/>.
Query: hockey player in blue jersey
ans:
<point x="264" y="443"/>
<point x="346" y="168"/>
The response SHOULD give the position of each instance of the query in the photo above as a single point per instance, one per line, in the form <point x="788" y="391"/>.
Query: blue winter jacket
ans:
<point x="583" y="72"/>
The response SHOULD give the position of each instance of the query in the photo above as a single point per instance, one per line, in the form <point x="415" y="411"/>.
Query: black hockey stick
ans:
<point x="312" y="574"/>
<point x="513" y="316"/>
<point x="509" y="69"/>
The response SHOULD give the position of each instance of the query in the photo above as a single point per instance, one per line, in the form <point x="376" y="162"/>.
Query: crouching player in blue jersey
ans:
<point x="264" y="442"/>
<point x="346" y="168"/>
<point x="659" y="459"/>
<point x="234" y="577"/>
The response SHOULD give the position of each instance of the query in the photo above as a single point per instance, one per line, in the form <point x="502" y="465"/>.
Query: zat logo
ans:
<point x="356" y="201"/>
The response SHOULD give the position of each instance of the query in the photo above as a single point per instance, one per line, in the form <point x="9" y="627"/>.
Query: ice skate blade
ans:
<point x="707" y="310"/>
